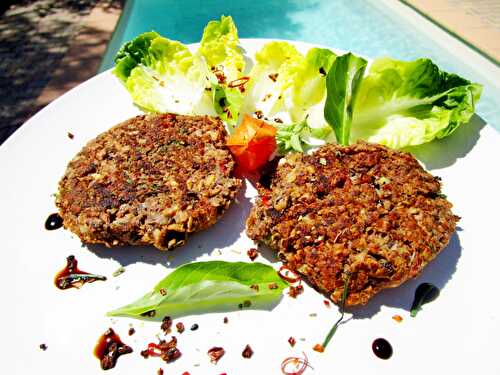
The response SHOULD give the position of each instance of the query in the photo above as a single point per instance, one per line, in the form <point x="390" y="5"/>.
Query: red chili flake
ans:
<point x="131" y="331"/>
<point x="247" y="352"/>
<point x="167" y="350"/>
<point x="240" y="82"/>
<point x="266" y="200"/>
<point x="186" y="373"/>
<point x="180" y="327"/>
<point x="327" y="303"/>
<point x="273" y="77"/>
<point x="160" y="371"/>
<point x="295" y="291"/>
<point x="398" y="318"/>
<point x="70" y="135"/>
<point x="288" y="275"/>
<point x="226" y="320"/>
<point x="223" y="167"/>
<point x="166" y="325"/>
<point x="255" y="287"/>
<point x="291" y="341"/>
<point x="299" y="365"/>
<point x="163" y="292"/>
<point x="272" y="286"/>
<point x="252" y="254"/>
<point x="215" y="354"/>
<point x="318" y="348"/>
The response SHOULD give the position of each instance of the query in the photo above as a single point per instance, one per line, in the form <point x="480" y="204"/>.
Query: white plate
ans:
<point x="457" y="333"/>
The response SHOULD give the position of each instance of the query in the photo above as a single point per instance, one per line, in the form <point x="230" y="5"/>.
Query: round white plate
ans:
<point x="457" y="333"/>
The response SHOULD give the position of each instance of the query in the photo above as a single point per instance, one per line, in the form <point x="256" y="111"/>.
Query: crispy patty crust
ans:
<point x="364" y="210"/>
<point x="149" y="180"/>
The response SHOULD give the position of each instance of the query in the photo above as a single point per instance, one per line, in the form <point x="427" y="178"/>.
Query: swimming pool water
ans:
<point x="362" y="26"/>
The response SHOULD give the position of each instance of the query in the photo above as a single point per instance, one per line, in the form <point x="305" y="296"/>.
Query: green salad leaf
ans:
<point x="219" y="47"/>
<point x="402" y="104"/>
<point x="208" y="286"/>
<point x="162" y="75"/>
<point x="342" y="85"/>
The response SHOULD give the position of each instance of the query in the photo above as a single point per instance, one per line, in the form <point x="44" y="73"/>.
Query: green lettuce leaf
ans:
<point x="208" y="286"/>
<point x="342" y="85"/>
<point x="219" y="47"/>
<point x="162" y="75"/>
<point x="402" y="104"/>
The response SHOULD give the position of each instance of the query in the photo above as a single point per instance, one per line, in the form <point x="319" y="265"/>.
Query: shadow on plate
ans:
<point x="223" y="234"/>
<point x="437" y="272"/>
<point x="445" y="152"/>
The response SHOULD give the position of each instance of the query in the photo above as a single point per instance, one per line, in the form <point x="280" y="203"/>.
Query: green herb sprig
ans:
<point x="342" y="305"/>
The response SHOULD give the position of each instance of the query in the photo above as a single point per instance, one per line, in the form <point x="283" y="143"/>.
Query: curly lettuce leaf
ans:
<point x="402" y="104"/>
<point x="342" y="85"/>
<point x="208" y="286"/>
<point x="162" y="75"/>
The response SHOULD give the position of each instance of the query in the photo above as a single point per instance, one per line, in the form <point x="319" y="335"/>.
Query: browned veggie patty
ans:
<point x="363" y="210"/>
<point x="149" y="180"/>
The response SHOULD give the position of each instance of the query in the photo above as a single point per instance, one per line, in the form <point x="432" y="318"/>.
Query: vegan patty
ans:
<point x="364" y="210"/>
<point x="149" y="180"/>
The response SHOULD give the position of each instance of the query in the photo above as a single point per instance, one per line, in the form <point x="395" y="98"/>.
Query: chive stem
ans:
<point x="342" y="305"/>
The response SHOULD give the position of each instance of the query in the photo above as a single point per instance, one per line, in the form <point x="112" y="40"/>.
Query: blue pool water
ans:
<point x="362" y="26"/>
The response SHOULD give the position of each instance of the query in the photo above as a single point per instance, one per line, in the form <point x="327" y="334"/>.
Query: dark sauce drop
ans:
<point x="109" y="348"/>
<point x="72" y="277"/>
<point x="382" y="348"/>
<point x="53" y="222"/>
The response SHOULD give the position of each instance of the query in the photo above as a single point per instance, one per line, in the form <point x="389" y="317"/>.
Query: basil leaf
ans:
<point x="342" y="84"/>
<point x="425" y="293"/>
<point x="208" y="286"/>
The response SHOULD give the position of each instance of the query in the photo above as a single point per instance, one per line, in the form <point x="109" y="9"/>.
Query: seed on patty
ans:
<point x="364" y="209"/>
<point x="149" y="180"/>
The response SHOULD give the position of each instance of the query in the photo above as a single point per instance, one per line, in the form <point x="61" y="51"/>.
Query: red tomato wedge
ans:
<point x="252" y="143"/>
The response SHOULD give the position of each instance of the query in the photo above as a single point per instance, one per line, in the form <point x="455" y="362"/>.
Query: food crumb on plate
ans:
<point x="397" y="318"/>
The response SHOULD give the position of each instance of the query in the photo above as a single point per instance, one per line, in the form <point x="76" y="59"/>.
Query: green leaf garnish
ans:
<point x="208" y="286"/>
<point x="425" y="293"/>
<point x="342" y="84"/>
<point x="342" y="305"/>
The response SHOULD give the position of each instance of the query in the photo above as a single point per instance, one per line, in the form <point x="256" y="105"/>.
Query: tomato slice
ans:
<point x="252" y="143"/>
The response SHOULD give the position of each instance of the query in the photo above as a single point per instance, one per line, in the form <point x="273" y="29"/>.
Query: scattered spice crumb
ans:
<point x="118" y="272"/>
<point x="255" y="287"/>
<point x="180" y="327"/>
<point x="327" y="303"/>
<point x="278" y="120"/>
<point x="313" y="315"/>
<point x="247" y="352"/>
<point x="166" y="325"/>
<point x="131" y="331"/>
<point x="302" y="338"/>
<point x="194" y="327"/>
<point x="163" y="292"/>
<point x="318" y="348"/>
<point x="398" y="318"/>
<point x="149" y="314"/>
<point x="166" y="350"/>
<point x="70" y="135"/>
<point x="160" y="371"/>
<point x="215" y="354"/>
<point x="273" y="286"/>
<point x="273" y="77"/>
<point x="43" y="347"/>
<point x="252" y="254"/>
<point x="291" y="341"/>
<point x="259" y="114"/>
<point x="294" y="291"/>
<point x="226" y="320"/>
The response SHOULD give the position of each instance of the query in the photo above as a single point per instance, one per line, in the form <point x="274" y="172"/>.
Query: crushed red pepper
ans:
<point x="166" y="325"/>
<point x="247" y="352"/>
<point x="291" y="341"/>
<point x="295" y="291"/>
<point x="252" y="254"/>
<point x="215" y="354"/>
<point x="180" y="327"/>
